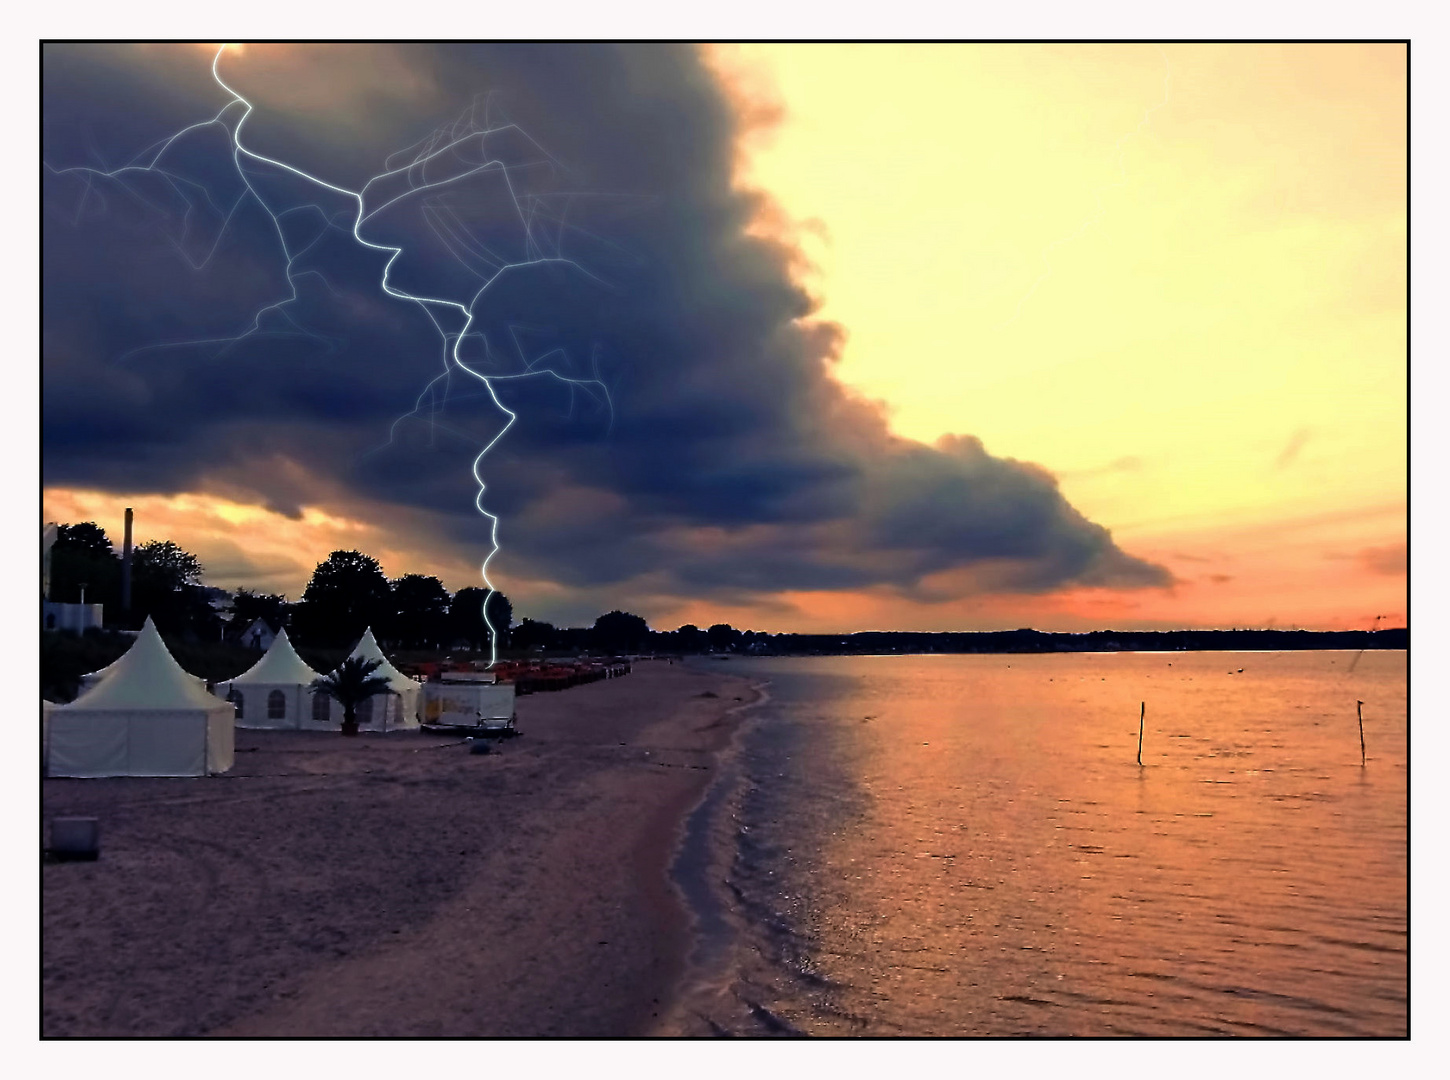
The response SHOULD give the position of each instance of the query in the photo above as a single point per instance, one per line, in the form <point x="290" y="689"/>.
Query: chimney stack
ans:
<point x="126" y="565"/>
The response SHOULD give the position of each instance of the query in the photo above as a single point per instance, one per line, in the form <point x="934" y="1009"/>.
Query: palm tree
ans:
<point x="351" y="684"/>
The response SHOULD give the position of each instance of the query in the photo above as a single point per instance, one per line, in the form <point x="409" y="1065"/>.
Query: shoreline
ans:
<point x="396" y="885"/>
<point x="698" y="866"/>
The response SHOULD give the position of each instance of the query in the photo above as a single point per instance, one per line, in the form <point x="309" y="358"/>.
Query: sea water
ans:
<point x="967" y="845"/>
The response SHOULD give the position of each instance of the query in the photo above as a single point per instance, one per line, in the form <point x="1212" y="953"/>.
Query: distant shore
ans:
<point x="909" y="642"/>
<point x="396" y="885"/>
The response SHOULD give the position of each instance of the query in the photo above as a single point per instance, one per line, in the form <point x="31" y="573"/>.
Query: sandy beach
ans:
<point x="395" y="885"/>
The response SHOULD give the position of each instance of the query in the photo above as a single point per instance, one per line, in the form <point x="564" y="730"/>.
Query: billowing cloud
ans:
<point x="679" y="432"/>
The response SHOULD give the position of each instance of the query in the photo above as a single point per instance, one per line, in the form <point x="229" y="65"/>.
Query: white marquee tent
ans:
<point x="397" y="708"/>
<point x="276" y="691"/>
<point x="147" y="717"/>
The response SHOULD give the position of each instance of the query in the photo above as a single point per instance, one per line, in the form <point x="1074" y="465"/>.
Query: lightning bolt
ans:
<point x="1101" y="209"/>
<point x="450" y="155"/>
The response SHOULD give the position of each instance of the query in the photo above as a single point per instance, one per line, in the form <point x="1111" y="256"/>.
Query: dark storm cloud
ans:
<point x="689" y="432"/>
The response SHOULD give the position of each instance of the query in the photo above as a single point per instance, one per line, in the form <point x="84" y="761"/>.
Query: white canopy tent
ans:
<point x="147" y="717"/>
<point x="388" y="711"/>
<point x="276" y="691"/>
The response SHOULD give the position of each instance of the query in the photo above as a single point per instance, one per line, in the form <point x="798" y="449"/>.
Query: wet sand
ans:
<point x="395" y="885"/>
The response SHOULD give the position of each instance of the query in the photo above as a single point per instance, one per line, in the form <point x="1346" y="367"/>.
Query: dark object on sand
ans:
<point x="478" y="746"/>
<point x="75" y="839"/>
<point x="1142" y="708"/>
<point x="1359" y="709"/>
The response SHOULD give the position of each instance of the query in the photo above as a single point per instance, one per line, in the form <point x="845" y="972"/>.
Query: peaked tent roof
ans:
<point x="101" y="673"/>
<point x="114" y="665"/>
<point x="146" y="677"/>
<point x="280" y="666"/>
<point x="367" y="648"/>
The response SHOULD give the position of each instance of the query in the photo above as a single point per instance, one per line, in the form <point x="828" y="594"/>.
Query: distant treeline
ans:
<point x="1037" y="641"/>
<point x="349" y="593"/>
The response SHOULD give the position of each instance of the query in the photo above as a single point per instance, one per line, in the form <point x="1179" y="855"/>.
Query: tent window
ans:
<point x="364" y="711"/>
<point x="321" y="707"/>
<point x="235" y="697"/>
<point x="276" y="705"/>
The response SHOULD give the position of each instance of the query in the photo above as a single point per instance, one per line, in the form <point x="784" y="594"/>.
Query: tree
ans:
<point x="500" y="612"/>
<point x="692" y="638"/>
<point x="82" y="555"/>
<point x="248" y="607"/>
<point x="352" y="683"/>
<point x="347" y="594"/>
<point x="161" y="566"/>
<point x="87" y="536"/>
<point x="166" y="585"/>
<point x="619" y="632"/>
<point x="466" y="616"/>
<point x="534" y="635"/>
<point x="723" y="637"/>
<point x="420" y="610"/>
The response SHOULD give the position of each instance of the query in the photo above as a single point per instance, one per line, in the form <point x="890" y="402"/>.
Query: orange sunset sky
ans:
<point x="1173" y="276"/>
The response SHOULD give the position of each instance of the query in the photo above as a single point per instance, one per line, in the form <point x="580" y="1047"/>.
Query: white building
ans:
<point x="77" y="618"/>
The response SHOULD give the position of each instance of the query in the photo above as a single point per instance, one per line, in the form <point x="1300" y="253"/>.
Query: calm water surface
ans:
<point x="965" y="845"/>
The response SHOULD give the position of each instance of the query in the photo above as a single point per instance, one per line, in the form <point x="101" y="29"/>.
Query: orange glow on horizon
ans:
<point x="1327" y="573"/>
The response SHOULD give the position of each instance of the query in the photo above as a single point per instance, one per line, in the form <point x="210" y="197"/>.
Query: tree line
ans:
<point x="347" y="593"/>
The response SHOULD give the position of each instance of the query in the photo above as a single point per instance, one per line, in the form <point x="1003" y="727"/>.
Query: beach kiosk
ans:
<point x="396" y="708"/>
<point x="468" y="700"/>
<point x="147" y="717"/>
<point x="276" y="691"/>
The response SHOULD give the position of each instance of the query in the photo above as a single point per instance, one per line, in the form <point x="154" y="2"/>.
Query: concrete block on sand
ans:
<point x="75" y="838"/>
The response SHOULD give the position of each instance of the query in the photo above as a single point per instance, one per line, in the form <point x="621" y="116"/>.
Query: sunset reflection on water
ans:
<point x="966" y="845"/>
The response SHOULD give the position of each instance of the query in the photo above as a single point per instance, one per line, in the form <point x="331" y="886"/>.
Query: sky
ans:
<point x="798" y="337"/>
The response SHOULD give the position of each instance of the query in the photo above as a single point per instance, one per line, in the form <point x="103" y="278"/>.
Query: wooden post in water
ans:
<point x="1142" y="708"/>
<point x="1359" y="708"/>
